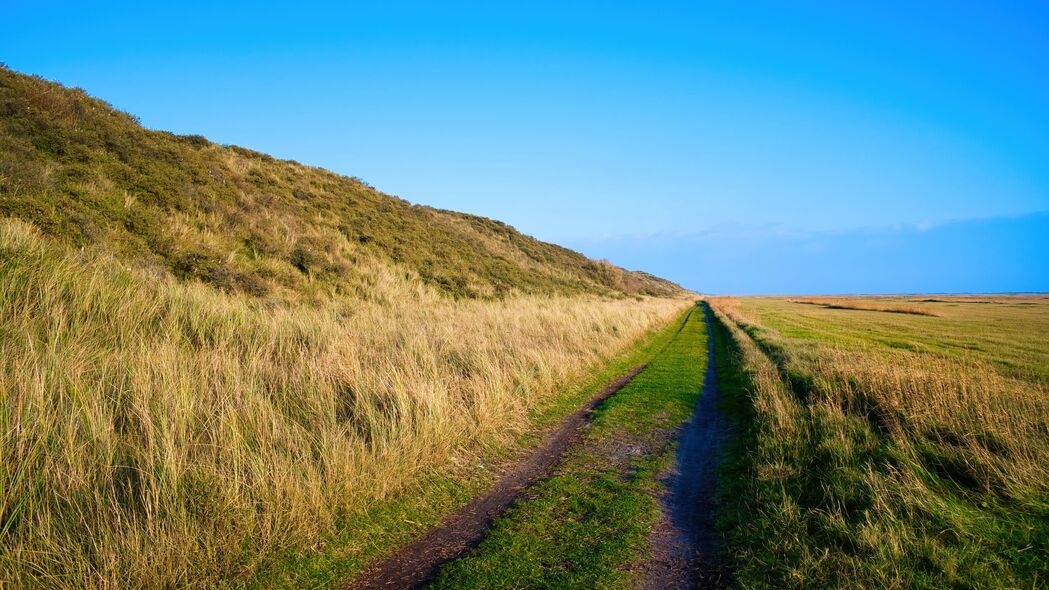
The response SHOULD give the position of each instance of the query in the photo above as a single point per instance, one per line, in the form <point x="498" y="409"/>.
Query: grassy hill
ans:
<point x="244" y="221"/>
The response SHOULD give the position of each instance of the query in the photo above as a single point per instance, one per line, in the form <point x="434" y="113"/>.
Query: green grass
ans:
<point x="587" y="524"/>
<point x="426" y="504"/>
<point x="886" y="450"/>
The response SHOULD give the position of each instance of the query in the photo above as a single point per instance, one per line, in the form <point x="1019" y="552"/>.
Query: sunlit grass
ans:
<point x="885" y="450"/>
<point x="161" y="433"/>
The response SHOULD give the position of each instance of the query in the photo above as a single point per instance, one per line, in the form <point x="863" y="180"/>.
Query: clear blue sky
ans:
<point x="732" y="146"/>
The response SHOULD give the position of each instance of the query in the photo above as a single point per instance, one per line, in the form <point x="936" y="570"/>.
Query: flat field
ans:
<point x="892" y="442"/>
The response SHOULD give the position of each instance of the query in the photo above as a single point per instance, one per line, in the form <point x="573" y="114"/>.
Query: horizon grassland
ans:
<point x="223" y="370"/>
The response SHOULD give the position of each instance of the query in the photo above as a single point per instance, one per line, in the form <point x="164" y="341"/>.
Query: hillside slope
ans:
<point x="244" y="221"/>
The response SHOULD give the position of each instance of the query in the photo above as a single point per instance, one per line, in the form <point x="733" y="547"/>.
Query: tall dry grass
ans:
<point x="158" y="433"/>
<point x="881" y="467"/>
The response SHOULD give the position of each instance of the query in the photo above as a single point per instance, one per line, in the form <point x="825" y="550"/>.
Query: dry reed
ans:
<point x="158" y="433"/>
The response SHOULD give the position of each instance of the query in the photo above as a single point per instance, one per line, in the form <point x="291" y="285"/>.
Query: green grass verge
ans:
<point x="736" y="478"/>
<point x="392" y="524"/>
<point x="587" y="524"/>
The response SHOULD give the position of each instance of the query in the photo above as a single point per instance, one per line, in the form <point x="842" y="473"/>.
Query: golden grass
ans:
<point x="886" y="455"/>
<point x="158" y="433"/>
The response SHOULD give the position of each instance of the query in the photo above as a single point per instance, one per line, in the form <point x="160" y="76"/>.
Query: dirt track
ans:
<point x="684" y="545"/>
<point x="417" y="562"/>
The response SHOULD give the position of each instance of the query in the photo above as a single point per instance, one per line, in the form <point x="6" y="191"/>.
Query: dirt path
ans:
<point x="417" y="562"/>
<point x="684" y="545"/>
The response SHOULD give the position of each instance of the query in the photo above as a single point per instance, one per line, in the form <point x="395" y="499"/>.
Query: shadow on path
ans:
<point x="685" y="548"/>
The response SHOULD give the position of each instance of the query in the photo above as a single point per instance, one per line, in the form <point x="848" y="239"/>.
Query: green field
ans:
<point x="885" y="449"/>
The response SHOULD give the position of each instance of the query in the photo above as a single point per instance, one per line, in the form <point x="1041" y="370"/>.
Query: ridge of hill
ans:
<point x="244" y="221"/>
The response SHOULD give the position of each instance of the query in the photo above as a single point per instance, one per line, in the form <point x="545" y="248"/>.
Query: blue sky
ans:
<point x="735" y="147"/>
